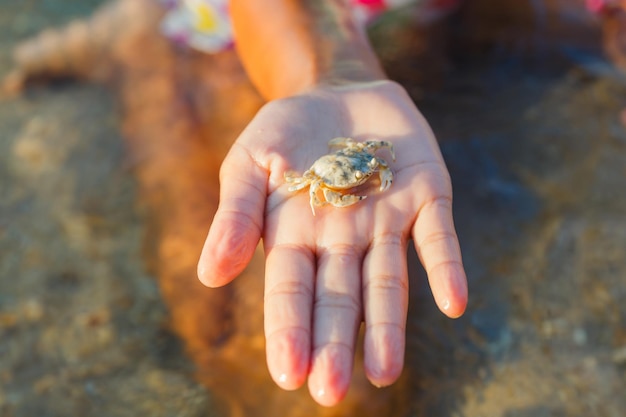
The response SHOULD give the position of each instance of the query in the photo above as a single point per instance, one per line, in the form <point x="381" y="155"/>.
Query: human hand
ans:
<point x="327" y="273"/>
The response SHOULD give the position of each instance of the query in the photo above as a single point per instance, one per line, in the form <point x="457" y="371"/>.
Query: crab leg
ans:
<point x="340" y="142"/>
<point x="315" y="201"/>
<point x="342" y="200"/>
<point x="386" y="177"/>
<point x="373" y="145"/>
<point x="298" y="182"/>
<point x="298" y="185"/>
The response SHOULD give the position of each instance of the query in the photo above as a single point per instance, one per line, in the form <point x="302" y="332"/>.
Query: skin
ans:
<point x="326" y="274"/>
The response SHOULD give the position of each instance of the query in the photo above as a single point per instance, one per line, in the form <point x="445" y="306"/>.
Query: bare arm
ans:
<point x="328" y="273"/>
<point x="288" y="46"/>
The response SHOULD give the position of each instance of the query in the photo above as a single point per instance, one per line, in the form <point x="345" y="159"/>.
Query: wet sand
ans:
<point x="100" y="313"/>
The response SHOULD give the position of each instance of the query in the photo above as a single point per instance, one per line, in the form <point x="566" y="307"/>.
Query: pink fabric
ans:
<point x="373" y="6"/>
<point x="376" y="4"/>
<point x="605" y="6"/>
<point x="205" y="24"/>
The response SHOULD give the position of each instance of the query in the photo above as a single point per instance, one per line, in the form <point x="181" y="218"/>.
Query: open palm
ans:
<point x="327" y="273"/>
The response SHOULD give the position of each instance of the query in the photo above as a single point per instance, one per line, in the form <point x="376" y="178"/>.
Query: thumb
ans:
<point x="238" y="222"/>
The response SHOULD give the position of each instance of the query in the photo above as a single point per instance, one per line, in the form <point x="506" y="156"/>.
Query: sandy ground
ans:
<point x="529" y="128"/>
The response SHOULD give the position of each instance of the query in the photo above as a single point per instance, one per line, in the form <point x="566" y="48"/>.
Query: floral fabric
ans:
<point x="205" y="24"/>
<point x="200" y="24"/>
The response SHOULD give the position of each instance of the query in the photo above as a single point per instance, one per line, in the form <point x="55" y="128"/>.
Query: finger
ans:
<point x="437" y="245"/>
<point x="237" y="225"/>
<point x="385" y="301"/>
<point x="289" y="282"/>
<point x="336" y="318"/>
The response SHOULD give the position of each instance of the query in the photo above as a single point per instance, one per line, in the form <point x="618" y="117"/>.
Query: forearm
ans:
<point x="288" y="46"/>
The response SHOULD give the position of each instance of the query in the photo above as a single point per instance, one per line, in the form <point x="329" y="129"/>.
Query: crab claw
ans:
<point x="386" y="178"/>
<point x="342" y="200"/>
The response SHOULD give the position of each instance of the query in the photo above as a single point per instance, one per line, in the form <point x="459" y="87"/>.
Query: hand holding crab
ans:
<point x="340" y="172"/>
<point x="327" y="274"/>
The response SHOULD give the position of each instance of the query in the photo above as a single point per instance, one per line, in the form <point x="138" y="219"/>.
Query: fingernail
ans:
<point x="330" y="378"/>
<point x="454" y="304"/>
<point x="288" y="360"/>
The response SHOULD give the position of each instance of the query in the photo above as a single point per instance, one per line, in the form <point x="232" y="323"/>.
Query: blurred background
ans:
<point x="110" y="141"/>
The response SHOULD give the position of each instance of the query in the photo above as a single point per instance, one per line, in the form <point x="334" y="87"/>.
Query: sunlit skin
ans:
<point x="328" y="273"/>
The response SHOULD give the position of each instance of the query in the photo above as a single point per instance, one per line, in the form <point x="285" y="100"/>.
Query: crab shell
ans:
<point x="342" y="170"/>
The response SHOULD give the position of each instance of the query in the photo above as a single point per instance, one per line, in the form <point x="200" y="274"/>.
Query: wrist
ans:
<point x="350" y="61"/>
<point x="289" y="47"/>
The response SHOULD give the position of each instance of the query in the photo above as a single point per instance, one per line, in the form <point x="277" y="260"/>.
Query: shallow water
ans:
<point x="100" y="313"/>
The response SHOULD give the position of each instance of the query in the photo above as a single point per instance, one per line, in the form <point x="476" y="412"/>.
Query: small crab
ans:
<point x="335" y="174"/>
